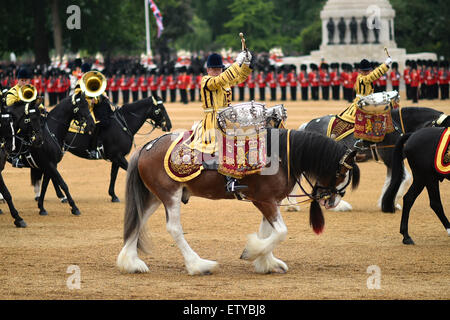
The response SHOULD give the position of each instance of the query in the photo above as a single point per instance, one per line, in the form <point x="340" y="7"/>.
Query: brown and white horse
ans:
<point x="320" y="159"/>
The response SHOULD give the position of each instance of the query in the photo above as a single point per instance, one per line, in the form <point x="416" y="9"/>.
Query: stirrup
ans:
<point x="97" y="153"/>
<point x="17" y="163"/>
<point x="233" y="185"/>
<point x="360" y="145"/>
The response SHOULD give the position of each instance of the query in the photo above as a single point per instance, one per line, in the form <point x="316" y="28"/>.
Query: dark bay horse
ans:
<point x="331" y="165"/>
<point x="420" y="150"/>
<point x="118" y="137"/>
<point x="413" y="118"/>
<point x="20" y="128"/>
<point x="55" y="128"/>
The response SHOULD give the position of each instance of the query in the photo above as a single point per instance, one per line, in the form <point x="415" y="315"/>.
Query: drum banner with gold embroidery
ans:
<point x="442" y="156"/>
<point x="372" y="127"/>
<point x="243" y="154"/>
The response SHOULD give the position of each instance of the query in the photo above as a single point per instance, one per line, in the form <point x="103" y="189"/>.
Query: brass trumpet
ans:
<point x="27" y="93"/>
<point x="93" y="84"/>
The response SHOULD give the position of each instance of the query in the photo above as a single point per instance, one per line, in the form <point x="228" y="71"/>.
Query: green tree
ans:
<point x="255" y="18"/>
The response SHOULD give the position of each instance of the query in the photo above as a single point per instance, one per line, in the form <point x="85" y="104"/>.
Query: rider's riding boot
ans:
<point x="16" y="162"/>
<point x="233" y="185"/>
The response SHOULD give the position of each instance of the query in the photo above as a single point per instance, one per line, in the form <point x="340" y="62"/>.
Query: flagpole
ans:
<point x="147" y="26"/>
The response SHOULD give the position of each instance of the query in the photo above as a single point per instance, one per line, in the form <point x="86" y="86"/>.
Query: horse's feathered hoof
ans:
<point x="76" y="212"/>
<point x="43" y="213"/>
<point x="20" y="223"/>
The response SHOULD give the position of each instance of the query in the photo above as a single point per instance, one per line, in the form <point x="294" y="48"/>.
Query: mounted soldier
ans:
<point x="364" y="87"/>
<point x="93" y="84"/>
<point x="215" y="96"/>
<point x="22" y="93"/>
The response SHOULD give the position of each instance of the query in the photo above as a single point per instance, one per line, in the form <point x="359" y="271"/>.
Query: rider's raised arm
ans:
<point x="375" y="74"/>
<point x="233" y="75"/>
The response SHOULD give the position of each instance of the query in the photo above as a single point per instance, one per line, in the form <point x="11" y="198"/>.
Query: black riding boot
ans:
<point x="96" y="150"/>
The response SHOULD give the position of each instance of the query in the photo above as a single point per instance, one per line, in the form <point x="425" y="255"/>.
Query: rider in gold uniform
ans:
<point x="216" y="95"/>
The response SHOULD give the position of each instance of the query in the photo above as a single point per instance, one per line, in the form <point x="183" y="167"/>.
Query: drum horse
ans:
<point x="331" y="167"/>
<point x="405" y="120"/>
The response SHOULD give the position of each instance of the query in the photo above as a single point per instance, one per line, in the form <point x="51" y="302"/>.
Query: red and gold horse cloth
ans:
<point x="372" y="126"/>
<point x="442" y="156"/>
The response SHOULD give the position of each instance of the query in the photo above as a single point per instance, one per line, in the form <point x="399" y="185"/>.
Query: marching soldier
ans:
<point x="163" y="84"/>
<point x="281" y="78"/>
<point x="182" y="85"/>
<point x="241" y="87"/>
<point x="143" y="84"/>
<point x="114" y="87"/>
<point x="154" y="81"/>
<point x="251" y="86"/>
<point x="382" y="83"/>
<point x="134" y="86"/>
<point x="407" y="78"/>
<point x="304" y="84"/>
<point x="172" y="85"/>
<point x="270" y="79"/>
<point x="190" y="79"/>
<point x="215" y="95"/>
<point x="415" y="82"/>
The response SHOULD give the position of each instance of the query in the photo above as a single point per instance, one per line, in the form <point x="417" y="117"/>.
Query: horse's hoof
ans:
<point x="43" y="213"/>
<point x="115" y="199"/>
<point x="76" y="212"/>
<point x="64" y="200"/>
<point x="408" y="241"/>
<point x="244" y="255"/>
<point x="20" y="223"/>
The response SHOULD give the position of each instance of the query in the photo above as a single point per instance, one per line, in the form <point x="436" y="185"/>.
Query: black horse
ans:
<point x="118" y="136"/>
<point x="408" y="119"/>
<point x="55" y="128"/>
<point x="420" y="150"/>
<point x="20" y="128"/>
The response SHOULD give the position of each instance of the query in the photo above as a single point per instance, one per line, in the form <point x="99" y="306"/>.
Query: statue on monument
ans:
<point x="353" y="31"/>
<point x="330" y="27"/>
<point x="376" y="29"/>
<point x="364" y="29"/>
<point x="342" y="26"/>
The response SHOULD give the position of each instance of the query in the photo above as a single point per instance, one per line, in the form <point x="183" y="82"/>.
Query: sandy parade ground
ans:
<point x="38" y="261"/>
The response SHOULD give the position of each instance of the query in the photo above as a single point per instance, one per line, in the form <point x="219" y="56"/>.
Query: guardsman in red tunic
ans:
<point x="51" y="89"/>
<point x="154" y="82"/>
<point x="241" y="88"/>
<point x="114" y="87"/>
<point x="163" y="84"/>
<point x="251" y="84"/>
<point x="125" y="87"/>
<point x="143" y="84"/>
<point x="314" y="79"/>
<point x="395" y="76"/>
<point x="172" y="85"/>
<point x="182" y="85"/>
<point x="292" y="80"/>
<point x="335" y="80"/>
<point x="271" y="80"/>
<point x="443" y="79"/>
<point x="304" y="83"/>
<point x="282" y="82"/>
<point x="261" y="80"/>
<point x="407" y="79"/>
<point x="435" y="80"/>
<point x="190" y="79"/>
<point x="325" y="81"/>
<point x="60" y="87"/>
<point x="415" y="82"/>
<point x="134" y="86"/>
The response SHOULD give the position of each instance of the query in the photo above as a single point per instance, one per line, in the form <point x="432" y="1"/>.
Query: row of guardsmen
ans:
<point x="422" y="79"/>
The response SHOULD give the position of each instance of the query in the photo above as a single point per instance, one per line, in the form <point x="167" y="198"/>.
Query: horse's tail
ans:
<point x="137" y="196"/>
<point x="387" y="203"/>
<point x="316" y="219"/>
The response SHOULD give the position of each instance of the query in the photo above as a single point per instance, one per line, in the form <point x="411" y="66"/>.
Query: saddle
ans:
<point x="442" y="156"/>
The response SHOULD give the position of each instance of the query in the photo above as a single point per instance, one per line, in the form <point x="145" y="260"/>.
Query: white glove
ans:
<point x="388" y="61"/>
<point x="240" y="58"/>
<point x="248" y="58"/>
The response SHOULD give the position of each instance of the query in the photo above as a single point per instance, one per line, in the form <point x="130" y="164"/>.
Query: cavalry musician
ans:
<point x="93" y="85"/>
<point x="364" y="87"/>
<point x="23" y="92"/>
<point x="215" y="95"/>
